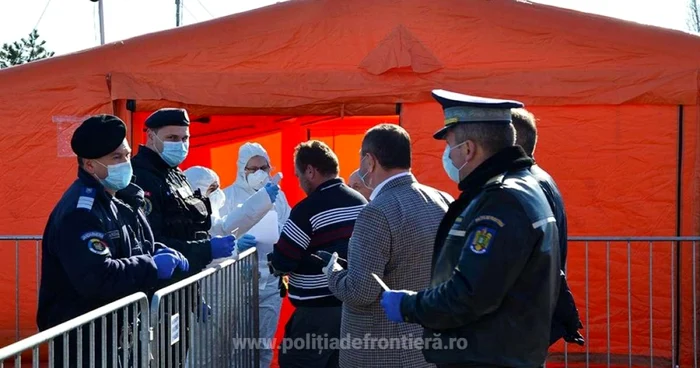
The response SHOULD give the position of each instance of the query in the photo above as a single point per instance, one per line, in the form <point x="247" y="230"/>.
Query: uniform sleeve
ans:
<point x="283" y="210"/>
<point x="84" y="252"/>
<point x="368" y="252"/>
<point x="197" y="252"/>
<point x="293" y="242"/>
<point x="494" y="254"/>
<point x="246" y="216"/>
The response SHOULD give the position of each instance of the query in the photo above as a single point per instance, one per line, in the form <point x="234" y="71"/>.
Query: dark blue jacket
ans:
<point x="496" y="271"/>
<point x="565" y="321"/>
<point x="95" y="250"/>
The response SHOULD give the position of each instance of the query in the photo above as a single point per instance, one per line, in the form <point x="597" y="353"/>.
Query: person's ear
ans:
<point x="469" y="150"/>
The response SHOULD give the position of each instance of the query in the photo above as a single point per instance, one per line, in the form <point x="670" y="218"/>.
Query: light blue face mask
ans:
<point x="362" y="176"/>
<point x="174" y="152"/>
<point x="449" y="167"/>
<point x="118" y="176"/>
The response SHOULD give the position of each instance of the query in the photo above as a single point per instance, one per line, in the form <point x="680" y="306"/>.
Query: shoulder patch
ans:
<point x="87" y="198"/>
<point x="489" y="218"/>
<point x="98" y="246"/>
<point x="480" y="239"/>
<point x="147" y="206"/>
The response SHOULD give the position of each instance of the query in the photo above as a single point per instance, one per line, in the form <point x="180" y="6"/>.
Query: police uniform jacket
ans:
<point x="180" y="218"/>
<point x="95" y="250"/>
<point x="566" y="318"/>
<point x="495" y="276"/>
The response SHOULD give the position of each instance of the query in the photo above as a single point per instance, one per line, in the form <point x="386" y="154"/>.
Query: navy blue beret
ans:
<point x="98" y="136"/>
<point x="168" y="117"/>
<point x="461" y="109"/>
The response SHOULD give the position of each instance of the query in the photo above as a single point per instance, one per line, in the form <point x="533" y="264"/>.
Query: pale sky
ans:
<point x="72" y="25"/>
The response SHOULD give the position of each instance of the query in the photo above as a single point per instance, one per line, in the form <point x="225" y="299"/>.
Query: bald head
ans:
<point x="354" y="182"/>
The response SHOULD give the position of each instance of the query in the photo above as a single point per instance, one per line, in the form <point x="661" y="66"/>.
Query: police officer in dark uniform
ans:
<point x="96" y="248"/>
<point x="179" y="216"/>
<point x="566" y="321"/>
<point x="496" y="259"/>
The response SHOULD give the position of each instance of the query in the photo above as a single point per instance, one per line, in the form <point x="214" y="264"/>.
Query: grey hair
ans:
<point x="491" y="137"/>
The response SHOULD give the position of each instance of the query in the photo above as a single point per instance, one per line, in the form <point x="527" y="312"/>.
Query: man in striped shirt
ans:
<point x="323" y="221"/>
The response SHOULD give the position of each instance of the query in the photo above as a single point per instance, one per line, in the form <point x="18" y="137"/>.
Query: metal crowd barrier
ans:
<point x="637" y="299"/>
<point x="26" y="252"/>
<point x="196" y="320"/>
<point x="118" y="339"/>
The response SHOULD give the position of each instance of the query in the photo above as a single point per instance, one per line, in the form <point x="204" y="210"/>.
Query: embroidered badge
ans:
<point x="147" y="206"/>
<point x="98" y="246"/>
<point x="481" y="239"/>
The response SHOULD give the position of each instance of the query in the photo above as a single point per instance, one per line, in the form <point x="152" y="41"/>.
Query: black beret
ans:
<point x="98" y="136"/>
<point x="168" y="117"/>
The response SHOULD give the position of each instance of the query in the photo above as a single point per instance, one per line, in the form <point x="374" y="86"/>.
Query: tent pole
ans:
<point x="101" y="11"/>
<point x="178" y="5"/>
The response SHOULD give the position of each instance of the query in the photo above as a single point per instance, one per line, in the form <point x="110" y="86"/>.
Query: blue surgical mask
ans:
<point x="174" y="152"/>
<point x="447" y="164"/>
<point x="118" y="176"/>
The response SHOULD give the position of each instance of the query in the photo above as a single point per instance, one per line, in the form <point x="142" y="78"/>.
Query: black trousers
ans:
<point x="301" y="347"/>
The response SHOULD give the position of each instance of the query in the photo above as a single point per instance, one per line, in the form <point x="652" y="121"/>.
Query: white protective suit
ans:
<point x="244" y="208"/>
<point x="202" y="178"/>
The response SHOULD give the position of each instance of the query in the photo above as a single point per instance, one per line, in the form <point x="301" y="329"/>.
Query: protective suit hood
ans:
<point x="202" y="178"/>
<point x="245" y="153"/>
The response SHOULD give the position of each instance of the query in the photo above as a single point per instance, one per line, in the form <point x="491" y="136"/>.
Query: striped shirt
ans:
<point x="322" y="221"/>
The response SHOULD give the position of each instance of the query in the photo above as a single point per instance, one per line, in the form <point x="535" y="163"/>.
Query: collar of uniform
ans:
<point x="378" y="188"/>
<point x="91" y="182"/>
<point x="329" y="183"/>
<point x="511" y="158"/>
<point x="153" y="157"/>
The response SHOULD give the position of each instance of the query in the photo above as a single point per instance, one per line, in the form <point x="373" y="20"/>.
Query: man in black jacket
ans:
<point x="495" y="275"/>
<point x="97" y="246"/>
<point x="566" y="321"/>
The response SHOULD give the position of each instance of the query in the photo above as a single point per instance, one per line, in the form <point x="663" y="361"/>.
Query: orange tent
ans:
<point x="617" y="103"/>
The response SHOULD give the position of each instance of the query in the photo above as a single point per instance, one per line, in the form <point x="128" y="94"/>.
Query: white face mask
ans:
<point x="258" y="179"/>
<point x="217" y="199"/>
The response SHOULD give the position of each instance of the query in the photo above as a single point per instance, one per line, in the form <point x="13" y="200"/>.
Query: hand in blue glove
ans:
<point x="222" y="246"/>
<point x="272" y="190"/>
<point x="246" y="242"/>
<point x="166" y="263"/>
<point x="204" y="312"/>
<point x="391" y="302"/>
<point x="183" y="264"/>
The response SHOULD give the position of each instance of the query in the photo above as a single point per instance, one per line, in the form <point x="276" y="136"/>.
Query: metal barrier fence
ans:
<point x="26" y="252"/>
<point x="197" y="320"/>
<point x="637" y="297"/>
<point x="125" y="336"/>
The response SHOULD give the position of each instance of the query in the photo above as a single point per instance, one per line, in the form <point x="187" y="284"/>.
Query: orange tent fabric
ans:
<point x="617" y="102"/>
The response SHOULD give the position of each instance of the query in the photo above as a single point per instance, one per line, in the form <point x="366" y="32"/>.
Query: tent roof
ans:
<point x="312" y="56"/>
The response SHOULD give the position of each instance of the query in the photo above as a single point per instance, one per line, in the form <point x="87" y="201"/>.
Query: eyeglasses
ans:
<point x="253" y="169"/>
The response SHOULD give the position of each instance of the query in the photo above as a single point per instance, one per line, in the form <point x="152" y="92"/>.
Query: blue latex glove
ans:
<point x="246" y="242"/>
<point x="166" y="263"/>
<point x="391" y="302"/>
<point x="204" y="312"/>
<point x="222" y="246"/>
<point x="183" y="264"/>
<point x="272" y="190"/>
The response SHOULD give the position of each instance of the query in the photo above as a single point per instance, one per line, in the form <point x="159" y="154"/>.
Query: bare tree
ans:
<point x="694" y="16"/>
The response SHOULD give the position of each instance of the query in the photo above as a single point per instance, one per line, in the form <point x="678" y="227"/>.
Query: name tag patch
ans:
<point x="114" y="234"/>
